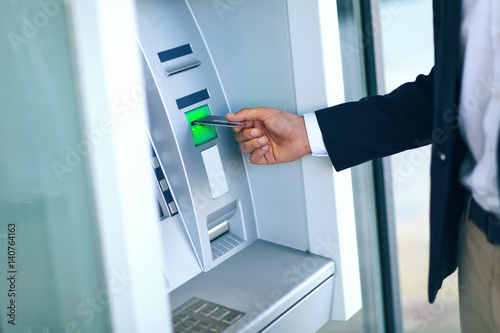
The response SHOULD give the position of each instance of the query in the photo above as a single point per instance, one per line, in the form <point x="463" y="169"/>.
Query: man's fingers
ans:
<point x="248" y="134"/>
<point x="255" y="114"/>
<point x="247" y="147"/>
<point x="258" y="155"/>
<point x="239" y="128"/>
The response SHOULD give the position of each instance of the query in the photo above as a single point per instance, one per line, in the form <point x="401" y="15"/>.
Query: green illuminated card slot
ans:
<point x="201" y="133"/>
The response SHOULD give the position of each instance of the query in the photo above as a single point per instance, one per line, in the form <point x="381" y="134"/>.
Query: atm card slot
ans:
<point x="178" y="59"/>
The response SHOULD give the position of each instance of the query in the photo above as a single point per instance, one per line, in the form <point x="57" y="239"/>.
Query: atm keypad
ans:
<point x="197" y="330"/>
<point x="181" y="317"/>
<point x="219" y="314"/>
<point x="200" y="316"/>
<point x="231" y="318"/>
<point x="208" y="310"/>
<point x="197" y="306"/>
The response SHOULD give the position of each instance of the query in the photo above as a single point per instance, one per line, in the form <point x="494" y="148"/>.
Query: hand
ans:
<point x="270" y="136"/>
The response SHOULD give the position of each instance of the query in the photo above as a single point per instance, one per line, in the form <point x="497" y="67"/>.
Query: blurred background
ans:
<point x="406" y="37"/>
<point x="407" y="42"/>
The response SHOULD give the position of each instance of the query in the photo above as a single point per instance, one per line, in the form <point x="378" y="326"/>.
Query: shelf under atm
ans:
<point x="263" y="281"/>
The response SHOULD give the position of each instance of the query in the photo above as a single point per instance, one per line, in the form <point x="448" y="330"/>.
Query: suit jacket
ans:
<point x="415" y="114"/>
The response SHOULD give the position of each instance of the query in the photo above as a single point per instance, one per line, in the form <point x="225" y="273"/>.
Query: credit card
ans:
<point x="216" y="121"/>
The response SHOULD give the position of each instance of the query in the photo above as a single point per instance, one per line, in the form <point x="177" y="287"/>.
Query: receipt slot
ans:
<point x="245" y="248"/>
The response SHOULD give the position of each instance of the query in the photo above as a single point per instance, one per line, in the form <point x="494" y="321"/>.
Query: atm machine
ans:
<point x="246" y="248"/>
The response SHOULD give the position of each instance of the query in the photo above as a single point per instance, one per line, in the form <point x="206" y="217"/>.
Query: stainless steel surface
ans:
<point x="309" y="308"/>
<point x="264" y="280"/>
<point x="251" y="50"/>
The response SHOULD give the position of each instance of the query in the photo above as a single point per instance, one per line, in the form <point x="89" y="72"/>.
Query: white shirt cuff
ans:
<point x="314" y="135"/>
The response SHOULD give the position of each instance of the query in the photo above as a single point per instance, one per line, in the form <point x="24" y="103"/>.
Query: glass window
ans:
<point x="52" y="277"/>
<point x="371" y="317"/>
<point x="407" y="41"/>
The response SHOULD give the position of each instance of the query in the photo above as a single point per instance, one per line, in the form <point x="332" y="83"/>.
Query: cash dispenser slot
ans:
<point x="222" y="237"/>
<point x="218" y="222"/>
<point x="178" y="59"/>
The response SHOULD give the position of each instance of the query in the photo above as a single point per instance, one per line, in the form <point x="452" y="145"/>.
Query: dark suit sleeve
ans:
<point x="379" y="126"/>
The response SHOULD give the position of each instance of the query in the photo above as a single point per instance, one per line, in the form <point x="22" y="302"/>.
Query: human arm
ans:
<point x="270" y="136"/>
<point x="379" y="126"/>
<point x="353" y="133"/>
